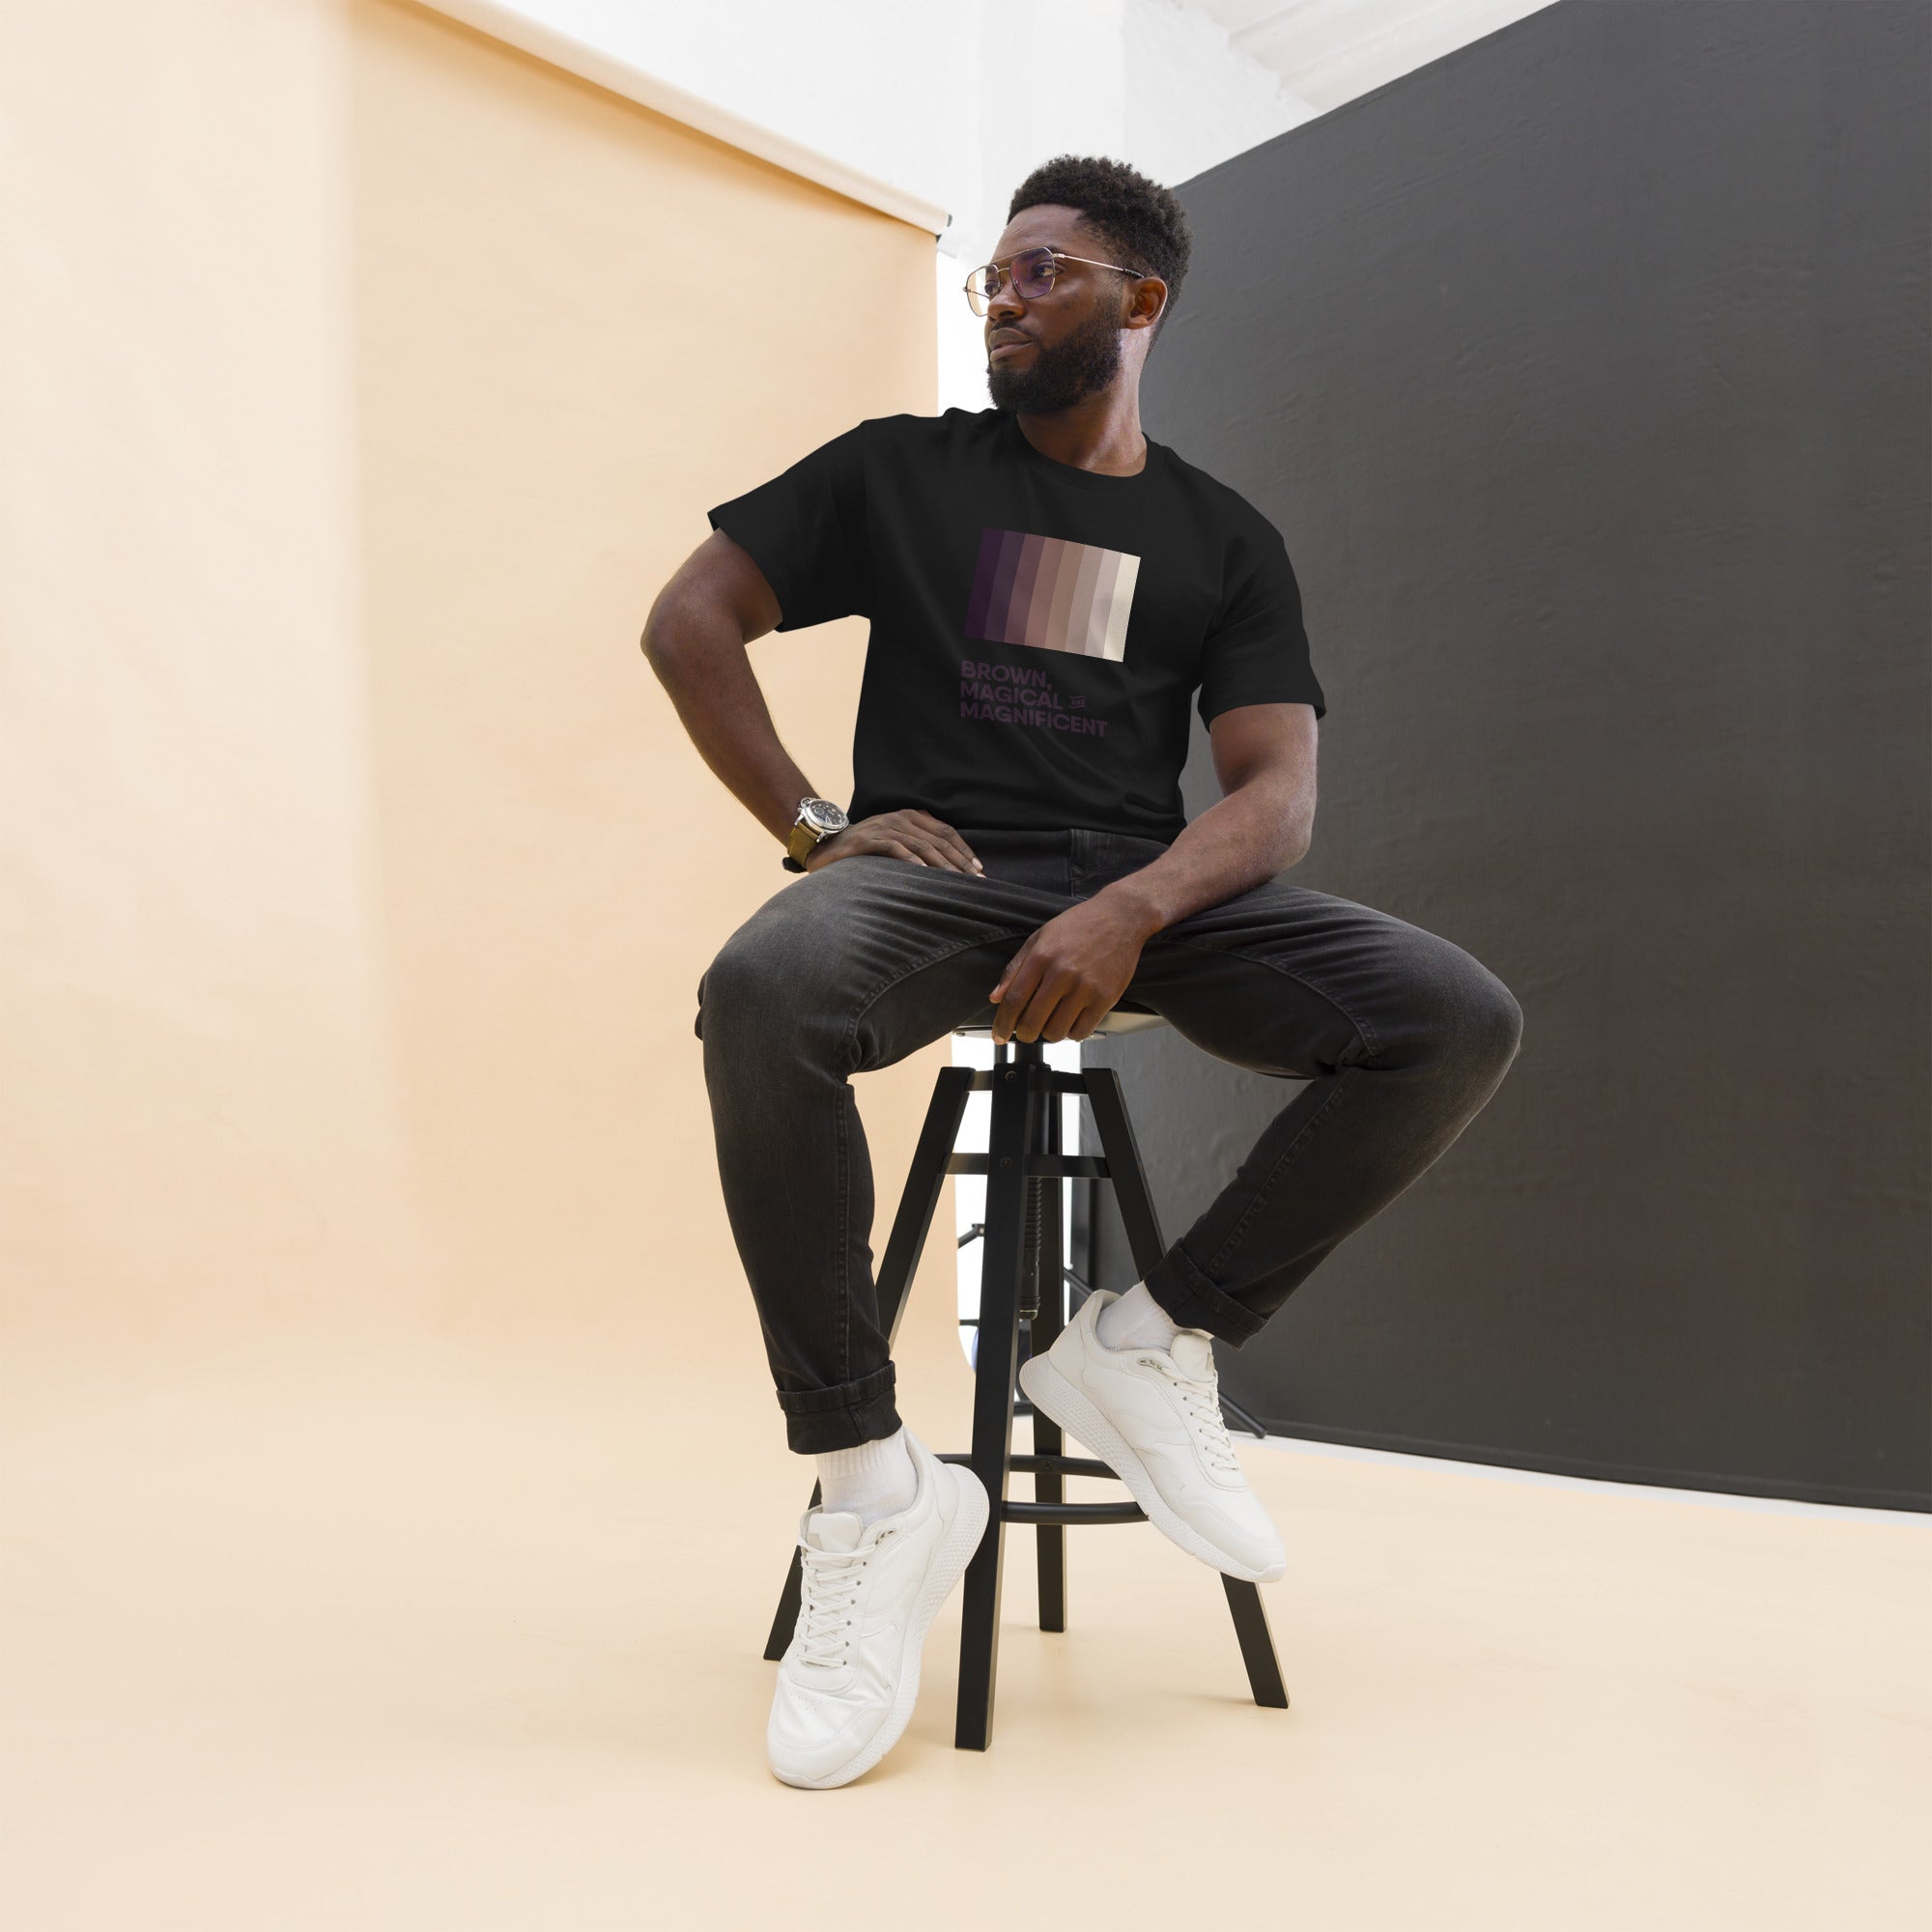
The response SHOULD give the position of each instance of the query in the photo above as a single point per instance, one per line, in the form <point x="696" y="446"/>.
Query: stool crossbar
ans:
<point x="1023" y="1286"/>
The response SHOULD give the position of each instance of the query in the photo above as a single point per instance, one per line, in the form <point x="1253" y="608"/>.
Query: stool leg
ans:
<point x="925" y="1180"/>
<point x="784" y="1619"/>
<point x="1135" y="1200"/>
<point x="1047" y="1438"/>
<point x="1251" y="1632"/>
<point x="996" y="1362"/>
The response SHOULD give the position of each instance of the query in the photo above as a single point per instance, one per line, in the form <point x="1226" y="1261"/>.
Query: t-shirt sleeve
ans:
<point x="1256" y="650"/>
<point x="807" y="531"/>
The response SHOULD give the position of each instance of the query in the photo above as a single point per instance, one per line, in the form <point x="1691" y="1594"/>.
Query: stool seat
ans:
<point x="1122" y="1019"/>
<point x="1023" y="1294"/>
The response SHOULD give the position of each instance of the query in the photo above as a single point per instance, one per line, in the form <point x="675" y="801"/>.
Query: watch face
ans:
<point x="824" y="814"/>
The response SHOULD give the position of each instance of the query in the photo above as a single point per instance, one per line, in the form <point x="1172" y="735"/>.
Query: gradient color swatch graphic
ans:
<point x="1052" y="594"/>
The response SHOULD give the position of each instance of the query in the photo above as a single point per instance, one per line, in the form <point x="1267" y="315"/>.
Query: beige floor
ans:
<point x="351" y="1635"/>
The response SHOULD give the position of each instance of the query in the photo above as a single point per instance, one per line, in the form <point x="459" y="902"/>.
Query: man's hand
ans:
<point x="911" y="835"/>
<point x="1069" y="975"/>
<point x="1065" y="978"/>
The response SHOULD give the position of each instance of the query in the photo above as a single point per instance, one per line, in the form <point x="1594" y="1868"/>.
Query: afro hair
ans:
<point x="1143" y="222"/>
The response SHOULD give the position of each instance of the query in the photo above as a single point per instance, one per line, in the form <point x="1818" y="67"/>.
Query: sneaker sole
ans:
<point x="949" y="1564"/>
<point x="1047" y="1390"/>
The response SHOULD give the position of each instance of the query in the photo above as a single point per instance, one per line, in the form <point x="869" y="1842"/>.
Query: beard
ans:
<point x="1083" y="364"/>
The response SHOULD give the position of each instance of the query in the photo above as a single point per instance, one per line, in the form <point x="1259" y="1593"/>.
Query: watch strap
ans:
<point x="804" y="838"/>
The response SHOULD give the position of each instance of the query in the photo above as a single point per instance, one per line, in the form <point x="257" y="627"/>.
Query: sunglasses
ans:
<point x="1034" y="271"/>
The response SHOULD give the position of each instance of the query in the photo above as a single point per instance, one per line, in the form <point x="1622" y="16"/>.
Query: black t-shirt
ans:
<point x="1037" y="630"/>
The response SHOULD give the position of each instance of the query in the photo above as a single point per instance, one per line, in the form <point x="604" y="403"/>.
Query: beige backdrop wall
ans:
<point x="356" y="874"/>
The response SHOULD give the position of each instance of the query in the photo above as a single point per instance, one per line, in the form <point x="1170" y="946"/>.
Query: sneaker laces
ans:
<point x="1201" y="1397"/>
<point x="830" y="1587"/>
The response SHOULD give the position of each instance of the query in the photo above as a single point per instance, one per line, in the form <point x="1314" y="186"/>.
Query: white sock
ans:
<point x="1136" y="1321"/>
<point x="875" y="1479"/>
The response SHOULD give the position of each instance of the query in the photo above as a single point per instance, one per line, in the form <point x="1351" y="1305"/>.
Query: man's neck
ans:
<point x="1104" y="436"/>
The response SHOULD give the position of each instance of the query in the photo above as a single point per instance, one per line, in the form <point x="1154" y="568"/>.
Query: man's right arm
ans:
<point x="694" y="638"/>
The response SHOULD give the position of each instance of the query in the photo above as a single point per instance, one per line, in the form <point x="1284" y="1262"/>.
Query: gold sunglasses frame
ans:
<point x="1059" y="255"/>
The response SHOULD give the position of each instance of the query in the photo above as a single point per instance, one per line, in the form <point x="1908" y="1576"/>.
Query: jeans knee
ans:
<point x="760" y="1007"/>
<point x="733" y="990"/>
<point x="1487" y="1028"/>
<point x="1500" y="1021"/>
<point x="1466" y="1020"/>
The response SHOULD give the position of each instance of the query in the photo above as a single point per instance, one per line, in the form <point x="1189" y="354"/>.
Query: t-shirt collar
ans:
<point x="1071" y="473"/>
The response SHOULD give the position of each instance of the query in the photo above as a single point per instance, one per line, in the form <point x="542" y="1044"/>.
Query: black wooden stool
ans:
<point x="1022" y="1282"/>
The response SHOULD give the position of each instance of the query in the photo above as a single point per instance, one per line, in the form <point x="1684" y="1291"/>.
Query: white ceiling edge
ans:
<point x="551" y="44"/>
<point x="1333" y="51"/>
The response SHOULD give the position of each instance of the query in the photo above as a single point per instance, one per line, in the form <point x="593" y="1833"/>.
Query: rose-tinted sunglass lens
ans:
<point x="1031" y="273"/>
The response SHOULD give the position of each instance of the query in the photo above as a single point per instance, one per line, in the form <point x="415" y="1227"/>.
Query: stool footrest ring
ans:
<point x="1042" y="1466"/>
<point x="1071" y="1513"/>
<point x="1068" y="1166"/>
<point x="1064" y="1513"/>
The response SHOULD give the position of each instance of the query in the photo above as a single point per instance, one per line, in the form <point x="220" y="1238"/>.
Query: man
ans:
<point x="1048" y="589"/>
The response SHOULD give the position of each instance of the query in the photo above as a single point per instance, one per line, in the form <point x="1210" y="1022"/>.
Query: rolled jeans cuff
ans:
<point x="842" y="1417"/>
<point x="1191" y="1299"/>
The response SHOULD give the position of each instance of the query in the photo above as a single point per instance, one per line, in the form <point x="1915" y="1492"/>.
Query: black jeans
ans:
<point x="1401" y="1036"/>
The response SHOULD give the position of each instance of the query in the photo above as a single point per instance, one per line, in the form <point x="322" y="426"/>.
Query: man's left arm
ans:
<point x="1071" y="971"/>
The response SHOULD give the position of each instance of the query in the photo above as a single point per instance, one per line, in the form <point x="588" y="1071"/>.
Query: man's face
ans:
<point x="1066" y="344"/>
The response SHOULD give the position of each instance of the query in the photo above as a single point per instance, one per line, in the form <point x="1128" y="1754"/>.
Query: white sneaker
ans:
<point x="849" y="1679"/>
<point x="1153" y="1416"/>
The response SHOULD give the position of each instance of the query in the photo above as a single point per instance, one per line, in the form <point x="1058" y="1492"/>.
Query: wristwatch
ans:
<point x="818" y="818"/>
